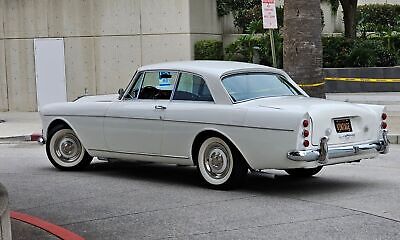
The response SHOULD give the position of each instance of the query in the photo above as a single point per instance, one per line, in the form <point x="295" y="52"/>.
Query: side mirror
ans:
<point x="121" y="92"/>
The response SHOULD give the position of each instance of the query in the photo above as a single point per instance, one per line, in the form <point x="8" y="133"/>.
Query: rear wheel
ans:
<point x="65" y="151"/>
<point x="220" y="165"/>
<point x="303" y="172"/>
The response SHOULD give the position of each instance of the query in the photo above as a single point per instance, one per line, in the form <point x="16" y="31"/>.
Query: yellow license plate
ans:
<point x="343" y="125"/>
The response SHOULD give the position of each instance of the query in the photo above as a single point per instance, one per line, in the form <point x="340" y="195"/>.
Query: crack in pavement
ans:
<point x="350" y="209"/>
<point x="157" y="210"/>
<point x="258" y="226"/>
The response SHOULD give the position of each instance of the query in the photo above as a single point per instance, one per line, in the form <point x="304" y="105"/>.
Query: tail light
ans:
<point x="383" y="123"/>
<point x="306" y="132"/>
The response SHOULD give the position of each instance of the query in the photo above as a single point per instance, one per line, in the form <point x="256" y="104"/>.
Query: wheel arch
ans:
<point x="211" y="132"/>
<point x="60" y="121"/>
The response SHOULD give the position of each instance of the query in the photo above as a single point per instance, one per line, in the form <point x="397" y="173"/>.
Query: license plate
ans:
<point x="343" y="125"/>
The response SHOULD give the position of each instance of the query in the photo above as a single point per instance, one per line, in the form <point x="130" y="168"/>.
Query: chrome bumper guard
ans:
<point x="324" y="153"/>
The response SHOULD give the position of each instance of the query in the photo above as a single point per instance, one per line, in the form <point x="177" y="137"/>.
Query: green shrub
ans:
<point x="361" y="52"/>
<point x="336" y="50"/>
<point x="378" y="18"/>
<point x="208" y="50"/>
<point x="246" y="46"/>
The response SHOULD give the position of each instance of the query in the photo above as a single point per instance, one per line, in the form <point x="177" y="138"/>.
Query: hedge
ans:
<point x="208" y="50"/>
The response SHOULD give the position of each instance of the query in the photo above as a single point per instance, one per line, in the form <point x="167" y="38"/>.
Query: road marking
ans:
<point x="57" y="231"/>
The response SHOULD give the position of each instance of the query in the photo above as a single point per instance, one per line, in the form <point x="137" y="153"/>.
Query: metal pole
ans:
<point x="271" y="37"/>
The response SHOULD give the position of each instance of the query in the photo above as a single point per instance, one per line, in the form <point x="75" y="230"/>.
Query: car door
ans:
<point x="134" y="125"/>
<point x="188" y="113"/>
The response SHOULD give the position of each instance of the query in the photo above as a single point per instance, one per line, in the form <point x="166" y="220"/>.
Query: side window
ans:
<point x="133" y="92"/>
<point x="158" y="85"/>
<point x="192" y="88"/>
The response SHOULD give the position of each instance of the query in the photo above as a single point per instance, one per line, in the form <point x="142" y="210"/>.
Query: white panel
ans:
<point x="50" y="71"/>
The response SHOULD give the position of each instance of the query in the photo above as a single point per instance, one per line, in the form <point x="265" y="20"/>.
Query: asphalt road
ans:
<point x="151" y="201"/>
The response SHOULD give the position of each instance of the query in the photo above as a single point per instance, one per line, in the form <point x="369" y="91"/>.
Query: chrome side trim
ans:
<point x="177" y="121"/>
<point x="141" y="154"/>
<point x="324" y="153"/>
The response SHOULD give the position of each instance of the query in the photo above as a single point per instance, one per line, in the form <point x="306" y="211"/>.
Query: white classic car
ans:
<point x="223" y="117"/>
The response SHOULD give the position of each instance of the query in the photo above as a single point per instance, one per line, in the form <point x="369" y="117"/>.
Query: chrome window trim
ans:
<point x="230" y="74"/>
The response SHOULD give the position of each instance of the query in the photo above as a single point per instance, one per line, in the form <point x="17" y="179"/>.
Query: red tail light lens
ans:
<point x="384" y="125"/>
<point x="384" y="116"/>
<point x="306" y="143"/>
<point x="306" y="133"/>
<point x="305" y="123"/>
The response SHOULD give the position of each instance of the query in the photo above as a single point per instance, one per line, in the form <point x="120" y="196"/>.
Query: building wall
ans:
<point x="105" y="41"/>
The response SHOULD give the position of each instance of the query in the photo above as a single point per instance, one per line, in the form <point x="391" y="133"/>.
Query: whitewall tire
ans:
<point x="219" y="164"/>
<point x="65" y="151"/>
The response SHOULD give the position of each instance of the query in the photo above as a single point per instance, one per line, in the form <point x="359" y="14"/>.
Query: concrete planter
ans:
<point x="5" y="224"/>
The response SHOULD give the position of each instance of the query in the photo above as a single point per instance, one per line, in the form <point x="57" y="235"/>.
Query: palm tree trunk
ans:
<point x="302" y="47"/>
<point x="349" y="17"/>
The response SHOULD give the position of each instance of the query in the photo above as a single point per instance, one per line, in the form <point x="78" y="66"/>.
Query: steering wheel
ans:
<point x="149" y="92"/>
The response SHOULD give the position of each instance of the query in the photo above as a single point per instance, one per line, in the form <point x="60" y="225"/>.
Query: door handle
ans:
<point x="159" y="107"/>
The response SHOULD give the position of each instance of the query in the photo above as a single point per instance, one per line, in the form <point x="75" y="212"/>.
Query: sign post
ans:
<point x="270" y="22"/>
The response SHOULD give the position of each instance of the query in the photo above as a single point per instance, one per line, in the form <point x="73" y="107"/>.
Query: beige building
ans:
<point x="104" y="41"/>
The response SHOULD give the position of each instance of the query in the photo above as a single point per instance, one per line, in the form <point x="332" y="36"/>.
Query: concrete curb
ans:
<point x="5" y="222"/>
<point x="21" y="138"/>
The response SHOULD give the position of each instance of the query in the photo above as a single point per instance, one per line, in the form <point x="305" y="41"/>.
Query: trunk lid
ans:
<point x="329" y="117"/>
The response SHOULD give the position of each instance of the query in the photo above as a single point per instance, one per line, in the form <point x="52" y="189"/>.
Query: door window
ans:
<point x="192" y="88"/>
<point x="158" y="85"/>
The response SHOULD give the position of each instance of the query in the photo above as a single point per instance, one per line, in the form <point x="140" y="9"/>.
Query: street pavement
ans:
<point x="153" y="201"/>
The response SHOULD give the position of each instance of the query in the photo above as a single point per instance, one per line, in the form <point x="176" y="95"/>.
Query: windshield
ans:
<point x="243" y="87"/>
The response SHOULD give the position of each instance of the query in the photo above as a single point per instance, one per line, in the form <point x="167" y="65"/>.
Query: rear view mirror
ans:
<point x="121" y="92"/>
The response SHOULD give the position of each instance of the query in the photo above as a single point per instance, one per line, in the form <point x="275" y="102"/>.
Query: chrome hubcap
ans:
<point x="216" y="161"/>
<point x="68" y="148"/>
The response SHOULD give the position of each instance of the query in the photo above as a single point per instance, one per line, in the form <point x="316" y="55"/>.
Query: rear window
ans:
<point x="249" y="86"/>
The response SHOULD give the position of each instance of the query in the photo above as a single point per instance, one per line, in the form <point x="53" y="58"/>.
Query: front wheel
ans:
<point x="303" y="172"/>
<point x="220" y="165"/>
<point x="65" y="151"/>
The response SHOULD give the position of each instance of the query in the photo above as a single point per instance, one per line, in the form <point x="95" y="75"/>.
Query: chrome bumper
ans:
<point x="324" y="153"/>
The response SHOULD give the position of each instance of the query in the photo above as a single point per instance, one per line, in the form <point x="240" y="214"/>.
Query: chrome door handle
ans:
<point x="159" y="107"/>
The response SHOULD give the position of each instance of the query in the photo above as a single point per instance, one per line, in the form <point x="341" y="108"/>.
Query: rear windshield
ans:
<point x="242" y="87"/>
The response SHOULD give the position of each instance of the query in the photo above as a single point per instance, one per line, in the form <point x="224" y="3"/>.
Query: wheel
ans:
<point x="220" y="166"/>
<point x="65" y="151"/>
<point x="303" y="172"/>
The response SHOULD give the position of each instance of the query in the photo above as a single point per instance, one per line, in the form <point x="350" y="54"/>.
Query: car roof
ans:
<point x="204" y="67"/>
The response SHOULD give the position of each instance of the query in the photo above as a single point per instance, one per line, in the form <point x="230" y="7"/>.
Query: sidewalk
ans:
<point x="19" y="126"/>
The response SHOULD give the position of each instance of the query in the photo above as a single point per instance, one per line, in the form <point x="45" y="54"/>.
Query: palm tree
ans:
<point x="302" y="47"/>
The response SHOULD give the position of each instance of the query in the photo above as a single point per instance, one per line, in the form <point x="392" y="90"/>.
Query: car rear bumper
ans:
<point x="348" y="153"/>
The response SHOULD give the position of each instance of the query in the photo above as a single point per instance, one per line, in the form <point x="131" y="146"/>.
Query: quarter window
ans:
<point x="192" y="88"/>
<point x="158" y="85"/>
